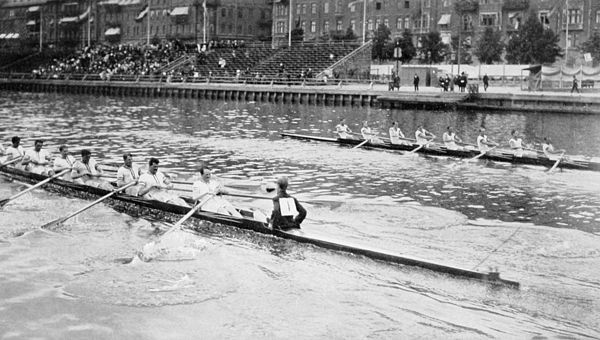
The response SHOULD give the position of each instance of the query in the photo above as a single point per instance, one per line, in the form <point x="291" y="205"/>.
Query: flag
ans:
<point x="142" y="13"/>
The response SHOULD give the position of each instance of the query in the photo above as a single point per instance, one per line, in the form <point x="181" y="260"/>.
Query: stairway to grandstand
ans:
<point x="266" y="61"/>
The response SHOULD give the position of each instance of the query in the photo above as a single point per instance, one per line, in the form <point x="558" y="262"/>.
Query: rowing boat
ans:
<point x="440" y="150"/>
<point x="137" y="206"/>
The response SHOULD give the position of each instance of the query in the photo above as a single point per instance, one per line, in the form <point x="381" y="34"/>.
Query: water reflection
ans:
<point x="242" y="139"/>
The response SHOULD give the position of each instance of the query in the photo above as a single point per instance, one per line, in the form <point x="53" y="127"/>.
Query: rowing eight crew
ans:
<point x="152" y="184"/>
<point x="450" y="140"/>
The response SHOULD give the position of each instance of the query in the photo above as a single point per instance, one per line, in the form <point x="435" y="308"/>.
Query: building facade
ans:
<point x="574" y="20"/>
<point x="82" y="22"/>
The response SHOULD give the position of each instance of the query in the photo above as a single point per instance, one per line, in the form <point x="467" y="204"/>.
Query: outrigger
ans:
<point x="498" y="155"/>
<point x="137" y="206"/>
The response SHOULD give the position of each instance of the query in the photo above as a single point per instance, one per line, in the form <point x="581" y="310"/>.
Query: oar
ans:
<point x="11" y="161"/>
<point x="556" y="164"/>
<point x="6" y="200"/>
<point x="361" y="144"/>
<point x="249" y="196"/>
<point x="61" y="220"/>
<point x="480" y="154"/>
<point x="419" y="147"/>
<point x="188" y="215"/>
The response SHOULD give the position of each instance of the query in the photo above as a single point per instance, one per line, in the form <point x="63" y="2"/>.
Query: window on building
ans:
<point x="399" y="23"/>
<point x="313" y="8"/>
<point x="378" y="5"/>
<point x="575" y="16"/>
<point x="573" y="39"/>
<point x="338" y="6"/>
<point x="11" y="13"/>
<point x="326" y="26"/>
<point x="303" y="26"/>
<point x="370" y="24"/>
<point x="407" y="23"/>
<point x="313" y="26"/>
<point x="427" y="3"/>
<point x="353" y="25"/>
<point x="240" y="15"/>
<point x="406" y="4"/>
<point x="598" y="16"/>
<point x="544" y="17"/>
<point x="467" y="22"/>
<point x="352" y="8"/>
<point x="326" y="7"/>
<point x="223" y="12"/>
<point x="377" y="23"/>
<point x="488" y="19"/>
<point x="386" y="23"/>
<point x="304" y="8"/>
<point x="338" y="25"/>
<point x="280" y="27"/>
<point x="425" y="18"/>
<point x="298" y="8"/>
<point x="446" y="3"/>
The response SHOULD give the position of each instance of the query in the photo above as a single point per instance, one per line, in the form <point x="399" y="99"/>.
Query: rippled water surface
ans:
<point x="537" y="228"/>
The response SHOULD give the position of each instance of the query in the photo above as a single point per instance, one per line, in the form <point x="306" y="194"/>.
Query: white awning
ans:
<point x="16" y="36"/>
<point x="2" y="35"/>
<point x="33" y="9"/>
<point x="113" y="31"/>
<point x="8" y="36"/>
<point x="31" y="23"/>
<point x="129" y="2"/>
<point x="68" y="20"/>
<point x="180" y="11"/>
<point x="445" y="19"/>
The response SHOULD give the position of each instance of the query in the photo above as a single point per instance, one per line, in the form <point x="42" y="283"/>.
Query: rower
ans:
<point x="516" y="144"/>
<point x="483" y="143"/>
<point x="15" y="151"/>
<point x="87" y="171"/>
<point x="154" y="185"/>
<point x="208" y="185"/>
<point x="396" y="134"/>
<point x="287" y="213"/>
<point x="343" y="130"/>
<point x="367" y="134"/>
<point x="450" y="139"/>
<point x="128" y="173"/>
<point x="423" y="136"/>
<point x="37" y="160"/>
<point x="549" y="150"/>
<point x="65" y="161"/>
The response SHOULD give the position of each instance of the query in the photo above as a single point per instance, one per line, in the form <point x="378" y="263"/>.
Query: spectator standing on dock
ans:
<point x="575" y="84"/>
<point x="416" y="82"/>
<point x="486" y="82"/>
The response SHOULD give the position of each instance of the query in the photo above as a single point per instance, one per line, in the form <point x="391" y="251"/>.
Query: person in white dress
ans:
<point x="206" y="190"/>
<point x="37" y="160"/>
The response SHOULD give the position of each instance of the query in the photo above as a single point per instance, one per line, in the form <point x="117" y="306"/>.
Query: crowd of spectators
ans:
<point x="115" y="60"/>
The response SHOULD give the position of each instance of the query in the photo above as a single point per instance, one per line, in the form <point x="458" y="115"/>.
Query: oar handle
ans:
<point x="11" y="161"/>
<point x="249" y="196"/>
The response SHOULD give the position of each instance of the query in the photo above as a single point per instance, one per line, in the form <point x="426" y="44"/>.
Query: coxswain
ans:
<point x="343" y="130"/>
<point x="128" y="173"/>
<point x="15" y="151"/>
<point x="154" y="185"/>
<point x="206" y="190"/>
<point x="63" y="162"/>
<point x="396" y="134"/>
<point x="423" y="136"/>
<point x="549" y="150"/>
<point x="450" y="139"/>
<point x="37" y="160"/>
<point x="87" y="171"/>
<point x="287" y="213"/>
<point x="483" y="143"/>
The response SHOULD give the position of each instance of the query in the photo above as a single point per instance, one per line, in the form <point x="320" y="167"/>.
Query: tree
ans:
<point x="433" y="50"/>
<point x="465" y="50"/>
<point x="489" y="47"/>
<point x="347" y="36"/>
<point x="406" y="44"/>
<point x="592" y="46"/>
<point x="533" y="44"/>
<point x="297" y="34"/>
<point x="380" y="49"/>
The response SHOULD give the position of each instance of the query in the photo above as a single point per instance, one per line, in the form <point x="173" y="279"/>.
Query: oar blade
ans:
<point x="54" y="224"/>
<point x="3" y="202"/>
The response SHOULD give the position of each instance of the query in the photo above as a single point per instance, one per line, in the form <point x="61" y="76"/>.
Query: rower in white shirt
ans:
<point x="128" y="173"/>
<point x="65" y="161"/>
<point x="396" y="135"/>
<point x="207" y="189"/>
<point x="37" y="160"/>
<point x="423" y="136"/>
<point x="516" y="145"/>
<point x="550" y="151"/>
<point x="15" y="151"/>
<point x="87" y="171"/>
<point x="343" y="130"/>
<point x="483" y="143"/>
<point x="154" y="185"/>
<point x="367" y="134"/>
<point x="450" y="139"/>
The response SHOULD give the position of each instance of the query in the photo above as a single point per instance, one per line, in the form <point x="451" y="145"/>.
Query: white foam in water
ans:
<point x="178" y="245"/>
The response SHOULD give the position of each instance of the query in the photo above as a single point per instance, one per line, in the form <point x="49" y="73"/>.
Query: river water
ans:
<point x="540" y="229"/>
